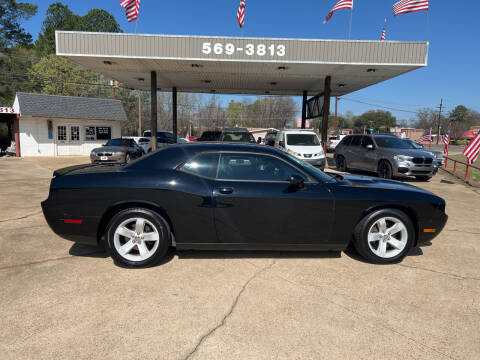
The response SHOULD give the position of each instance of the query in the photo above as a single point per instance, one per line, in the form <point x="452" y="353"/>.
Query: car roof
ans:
<point x="227" y="146"/>
<point x="299" y="131"/>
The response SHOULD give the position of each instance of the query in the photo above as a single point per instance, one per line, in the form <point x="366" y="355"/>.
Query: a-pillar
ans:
<point x="153" y="108"/>
<point x="174" y="114"/>
<point x="16" y="129"/>
<point x="304" y="108"/>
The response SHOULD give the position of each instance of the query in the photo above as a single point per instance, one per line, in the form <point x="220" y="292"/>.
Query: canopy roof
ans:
<point x="232" y="65"/>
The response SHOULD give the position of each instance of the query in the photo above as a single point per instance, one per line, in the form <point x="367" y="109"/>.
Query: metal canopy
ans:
<point x="231" y="65"/>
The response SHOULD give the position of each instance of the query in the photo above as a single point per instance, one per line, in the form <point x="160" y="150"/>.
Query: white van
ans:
<point x="303" y="144"/>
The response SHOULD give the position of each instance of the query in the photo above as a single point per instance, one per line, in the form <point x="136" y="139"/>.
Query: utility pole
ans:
<point x="439" y="115"/>
<point x="336" y="111"/>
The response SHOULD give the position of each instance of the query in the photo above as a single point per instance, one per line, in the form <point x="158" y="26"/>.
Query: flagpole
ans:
<point x="426" y="26"/>
<point x="350" y="26"/>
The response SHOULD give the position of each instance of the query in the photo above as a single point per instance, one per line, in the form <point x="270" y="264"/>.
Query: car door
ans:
<point x="255" y="203"/>
<point x="369" y="155"/>
<point x="355" y="153"/>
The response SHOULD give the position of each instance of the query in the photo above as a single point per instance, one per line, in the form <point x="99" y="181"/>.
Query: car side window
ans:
<point x="367" y="141"/>
<point x="202" y="165"/>
<point x="347" y="141"/>
<point x="356" y="141"/>
<point x="255" y="167"/>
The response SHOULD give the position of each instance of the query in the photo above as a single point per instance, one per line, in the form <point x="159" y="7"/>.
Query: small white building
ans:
<point x="51" y="125"/>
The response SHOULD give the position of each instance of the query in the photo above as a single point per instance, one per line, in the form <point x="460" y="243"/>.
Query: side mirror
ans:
<point x="369" y="147"/>
<point x="297" y="181"/>
<point x="281" y="143"/>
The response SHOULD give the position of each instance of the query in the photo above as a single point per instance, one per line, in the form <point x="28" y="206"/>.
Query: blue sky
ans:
<point x="453" y="28"/>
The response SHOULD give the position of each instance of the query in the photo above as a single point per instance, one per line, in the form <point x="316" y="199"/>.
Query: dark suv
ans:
<point x="228" y="135"/>
<point x="386" y="155"/>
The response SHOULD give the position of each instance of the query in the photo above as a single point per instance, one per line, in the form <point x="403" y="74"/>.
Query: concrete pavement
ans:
<point x="61" y="300"/>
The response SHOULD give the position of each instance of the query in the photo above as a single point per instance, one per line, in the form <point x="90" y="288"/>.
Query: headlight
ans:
<point x="293" y="153"/>
<point x="119" y="153"/>
<point x="403" y="158"/>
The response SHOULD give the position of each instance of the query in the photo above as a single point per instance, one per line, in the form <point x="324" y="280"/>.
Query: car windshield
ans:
<point x="305" y="165"/>
<point x="302" y="140"/>
<point x="118" y="142"/>
<point x="413" y="144"/>
<point x="392" y="143"/>
<point x="241" y="136"/>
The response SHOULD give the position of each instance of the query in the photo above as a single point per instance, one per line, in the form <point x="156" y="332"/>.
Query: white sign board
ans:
<point x="7" y="110"/>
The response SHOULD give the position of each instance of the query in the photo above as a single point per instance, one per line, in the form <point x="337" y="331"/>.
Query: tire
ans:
<point x="149" y="151"/>
<point x="341" y="163"/>
<point x="385" y="170"/>
<point x="379" y="245"/>
<point x="423" y="178"/>
<point x="127" y="158"/>
<point x="129" y="229"/>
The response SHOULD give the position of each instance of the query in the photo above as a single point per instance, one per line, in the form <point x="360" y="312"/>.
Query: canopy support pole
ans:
<point x="326" y="111"/>
<point x="153" y="108"/>
<point x="174" y="114"/>
<point x="304" y="108"/>
<point x="16" y="129"/>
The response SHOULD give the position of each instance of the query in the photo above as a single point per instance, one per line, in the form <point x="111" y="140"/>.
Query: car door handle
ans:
<point x="225" y="190"/>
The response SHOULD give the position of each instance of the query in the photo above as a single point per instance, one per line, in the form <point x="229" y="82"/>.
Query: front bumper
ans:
<point x="409" y="168"/>
<point x="436" y="221"/>
<point x="320" y="162"/>
<point x="110" y="159"/>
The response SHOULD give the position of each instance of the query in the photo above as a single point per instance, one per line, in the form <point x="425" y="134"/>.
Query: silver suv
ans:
<point x="387" y="155"/>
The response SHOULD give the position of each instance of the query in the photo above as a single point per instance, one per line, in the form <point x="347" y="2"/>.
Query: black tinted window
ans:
<point x="243" y="136"/>
<point x="356" y="141"/>
<point x="254" y="167"/>
<point x="367" y="141"/>
<point x="203" y="165"/>
<point x="392" y="142"/>
<point x="119" y="142"/>
<point x="347" y="141"/>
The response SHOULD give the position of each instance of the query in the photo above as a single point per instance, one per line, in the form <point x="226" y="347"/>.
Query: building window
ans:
<point x="75" y="133"/>
<point x="89" y="132"/>
<point x="62" y="133"/>
<point x="104" y="133"/>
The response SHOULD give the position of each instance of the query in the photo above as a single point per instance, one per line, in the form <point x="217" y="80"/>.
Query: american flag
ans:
<point x="409" y="6"/>
<point x="342" y="4"/>
<point x="241" y="13"/>
<point x="427" y="136"/>
<point x="132" y="8"/>
<point x="446" y="141"/>
<point x="472" y="150"/>
<point x="384" y="31"/>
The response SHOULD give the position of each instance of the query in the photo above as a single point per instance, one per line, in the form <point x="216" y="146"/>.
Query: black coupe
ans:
<point x="236" y="197"/>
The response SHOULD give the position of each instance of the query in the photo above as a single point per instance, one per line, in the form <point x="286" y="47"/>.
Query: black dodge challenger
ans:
<point x="236" y="197"/>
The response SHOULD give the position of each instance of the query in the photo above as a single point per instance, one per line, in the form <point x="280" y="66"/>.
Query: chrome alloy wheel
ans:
<point x="387" y="237"/>
<point x="136" y="239"/>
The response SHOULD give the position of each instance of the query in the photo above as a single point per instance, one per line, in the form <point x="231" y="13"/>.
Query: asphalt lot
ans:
<point x="62" y="300"/>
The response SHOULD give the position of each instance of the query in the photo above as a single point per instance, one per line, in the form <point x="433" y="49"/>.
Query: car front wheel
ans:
<point x="384" y="236"/>
<point x="137" y="237"/>
<point x="385" y="170"/>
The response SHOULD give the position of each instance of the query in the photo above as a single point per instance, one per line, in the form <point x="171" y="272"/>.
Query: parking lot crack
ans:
<point x="463" y="231"/>
<point x="204" y="337"/>
<point x="454" y="276"/>
<point x="22" y="217"/>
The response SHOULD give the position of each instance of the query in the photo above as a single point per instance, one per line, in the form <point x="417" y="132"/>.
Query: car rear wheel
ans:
<point x="384" y="236"/>
<point x="138" y="237"/>
<point x="341" y="163"/>
<point x="385" y="170"/>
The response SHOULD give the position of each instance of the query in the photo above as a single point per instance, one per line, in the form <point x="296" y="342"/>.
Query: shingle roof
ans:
<point x="70" y="107"/>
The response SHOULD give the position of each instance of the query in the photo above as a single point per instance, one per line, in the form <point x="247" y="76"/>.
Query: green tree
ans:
<point x="379" y="120"/>
<point x="60" y="17"/>
<point x="11" y="13"/>
<point x="234" y="113"/>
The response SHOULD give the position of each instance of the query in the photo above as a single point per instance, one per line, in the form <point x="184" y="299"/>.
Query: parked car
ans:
<point x="303" y="144"/>
<point x="143" y="142"/>
<point x="438" y="155"/>
<point x="333" y="141"/>
<point x="270" y="138"/>
<point x="164" y="138"/>
<point x="117" y="151"/>
<point x="228" y="135"/>
<point x="386" y="155"/>
<point x="237" y="196"/>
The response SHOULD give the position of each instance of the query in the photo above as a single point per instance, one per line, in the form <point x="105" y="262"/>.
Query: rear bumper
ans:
<point x="84" y="232"/>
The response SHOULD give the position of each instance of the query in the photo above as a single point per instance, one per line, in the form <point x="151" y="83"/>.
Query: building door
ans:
<point x="68" y="140"/>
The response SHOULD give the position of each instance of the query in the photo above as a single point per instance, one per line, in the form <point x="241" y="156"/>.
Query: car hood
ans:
<point x="110" y="149"/>
<point x="379" y="183"/>
<point x="412" y="152"/>
<point x="306" y="149"/>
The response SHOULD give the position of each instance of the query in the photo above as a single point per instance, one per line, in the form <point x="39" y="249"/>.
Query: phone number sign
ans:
<point x="249" y="49"/>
